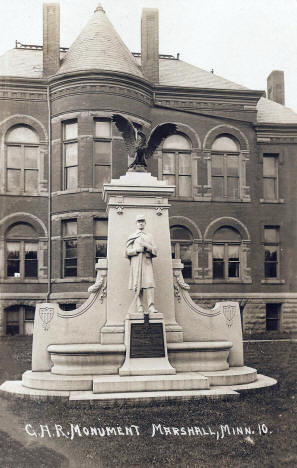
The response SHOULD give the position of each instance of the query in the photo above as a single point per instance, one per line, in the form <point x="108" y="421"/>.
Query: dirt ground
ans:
<point x="258" y="430"/>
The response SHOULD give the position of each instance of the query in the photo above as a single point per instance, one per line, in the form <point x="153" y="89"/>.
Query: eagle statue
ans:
<point x="136" y="141"/>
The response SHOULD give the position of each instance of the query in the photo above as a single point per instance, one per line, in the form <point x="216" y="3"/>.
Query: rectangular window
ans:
<point x="100" y="234"/>
<point x="22" y="168"/>
<point x="271" y="252"/>
<point x="103" y="128"/>
<point x="226" y="261"/>
<point x="273" y="312"/>
<point x="233" y="261"/>
<point x="70" y="133"/>
<point x="29" y="314"/>
<point x="177" y="170"/>
<point x="22" y="259"/>
<point x="225" y="176"/>
<point x="69" y="248"/>
<point x="102" y="153"/>
<point x="270" y="176"/>
<point x="31" y="265"/>
<point x="13" y="259"/>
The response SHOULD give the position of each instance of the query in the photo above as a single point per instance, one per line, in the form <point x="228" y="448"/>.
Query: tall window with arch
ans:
<point x="182" y="247"/>
<point x="226" y="253"/>
<point x="22" y="159"/>
<point x="225" y="168"/>
<point x="21" y="251"/>
<point x="177" y="164"/>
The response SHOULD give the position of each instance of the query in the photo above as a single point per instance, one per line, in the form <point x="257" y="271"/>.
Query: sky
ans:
<point x="241" y="40"/>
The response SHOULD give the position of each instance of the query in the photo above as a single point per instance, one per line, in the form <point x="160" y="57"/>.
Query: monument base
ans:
<point x="146" y="350"/>
<point x="110" y="396"/>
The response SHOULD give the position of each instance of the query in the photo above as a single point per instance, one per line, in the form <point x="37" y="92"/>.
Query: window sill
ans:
<point x="22" y="280"/>
<point x="230" y="200"/>
<point x="281" y="200"/>
<point x="25" y="194"/>
<point x="77" y="190"/>
<point x="230" y="281"/>
<point x="212" y="281"/>
<point x="73" y="279"/>
<point x="178" y="198"/>
<point x="273" y="281"/>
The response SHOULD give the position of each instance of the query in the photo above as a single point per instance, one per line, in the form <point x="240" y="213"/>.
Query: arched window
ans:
<point x="225" y="168"/>
<point x="182" y="247"/>
<point x="21" y="251"/>
<point x="177" y="164"/>
<point x="22" y="159"/>
<point x="226" y="253"/>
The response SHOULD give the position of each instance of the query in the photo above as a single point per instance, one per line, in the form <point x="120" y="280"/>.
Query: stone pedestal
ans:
<point x="146" y="347"/>
<point x="133" y="194"/>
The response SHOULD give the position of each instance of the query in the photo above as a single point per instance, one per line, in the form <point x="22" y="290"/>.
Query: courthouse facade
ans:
<point x="233" y="161"/>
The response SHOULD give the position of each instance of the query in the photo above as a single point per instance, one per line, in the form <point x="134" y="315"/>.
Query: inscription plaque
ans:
<point x="147" y="340"/>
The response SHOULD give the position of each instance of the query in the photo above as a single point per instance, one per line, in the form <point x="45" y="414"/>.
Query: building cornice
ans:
<point x="271" y="133"/>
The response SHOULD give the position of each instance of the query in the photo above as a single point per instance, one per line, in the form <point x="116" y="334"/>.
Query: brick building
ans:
<point x="233" y="161"/>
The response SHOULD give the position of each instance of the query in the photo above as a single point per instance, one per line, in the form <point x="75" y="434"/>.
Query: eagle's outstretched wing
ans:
<point x="128" y="131"/>
<point x="158" y="135"/>
<point x="141" y="139"/>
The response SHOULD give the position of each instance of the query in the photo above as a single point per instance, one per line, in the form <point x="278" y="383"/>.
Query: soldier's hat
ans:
<point x="140" y="218"/>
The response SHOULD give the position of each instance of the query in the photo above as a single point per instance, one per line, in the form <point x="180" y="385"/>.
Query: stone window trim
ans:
<point x="243" y="154"/>
<point x="42" y="244"/>
<point x="190" y="134"/>
<point x="271" y="149"/>
<point x="197" y="242"/>
<point x="215" y="132"/>
<point x="245" y="271"/>
<point x="73" y="279"/>
<point x="93" y="114"/>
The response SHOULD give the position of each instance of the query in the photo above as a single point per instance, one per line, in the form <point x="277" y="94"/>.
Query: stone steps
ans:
<point x="148" y="383"/>
<point x="48" y="381"/>
<point x="232" y="376"/>
<point x="153" y="396"/>
<point x="185" y="381"/>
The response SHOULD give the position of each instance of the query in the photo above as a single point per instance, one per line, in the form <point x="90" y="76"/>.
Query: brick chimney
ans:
<point x="276" y="86"/>
<point x="150" y="44"/>
<point x="51" y="38"/>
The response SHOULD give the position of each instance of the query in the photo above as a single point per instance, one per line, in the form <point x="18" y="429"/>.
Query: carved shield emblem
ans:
<point x="46" y="314"/>
<point x="229" y="312"/>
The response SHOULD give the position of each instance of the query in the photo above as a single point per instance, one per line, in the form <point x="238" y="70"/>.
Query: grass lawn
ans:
<point x="274" y="410"/>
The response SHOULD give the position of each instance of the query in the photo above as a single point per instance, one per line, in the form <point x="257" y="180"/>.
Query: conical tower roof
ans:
<point x="99" y="47"/>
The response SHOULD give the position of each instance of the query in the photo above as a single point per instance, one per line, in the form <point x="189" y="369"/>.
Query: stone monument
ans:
<point x="149" y="342"/>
